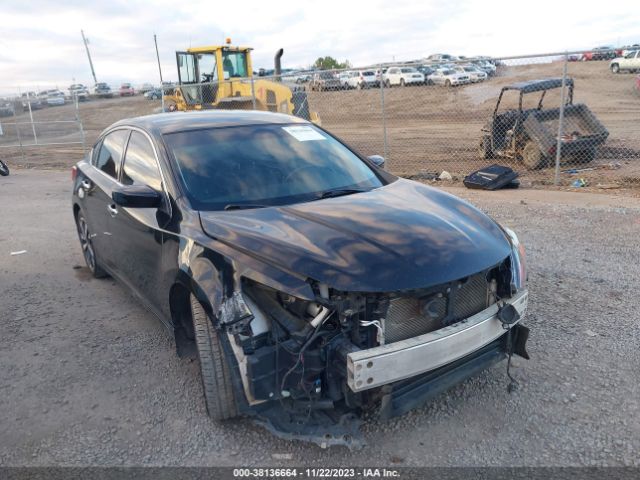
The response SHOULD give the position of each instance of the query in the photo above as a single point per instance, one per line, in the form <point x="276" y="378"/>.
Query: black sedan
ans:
<point x="311" y="284"/>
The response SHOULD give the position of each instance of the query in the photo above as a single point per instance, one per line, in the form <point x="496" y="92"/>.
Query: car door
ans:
<point x="395" y="76"/>
<point x="101" y="179"/>
<point x="137" y="236"/>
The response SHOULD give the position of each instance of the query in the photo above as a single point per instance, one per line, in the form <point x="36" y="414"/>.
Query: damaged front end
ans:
<point x="310" y="367"/>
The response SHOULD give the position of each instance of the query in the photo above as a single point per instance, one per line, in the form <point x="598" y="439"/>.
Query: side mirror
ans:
<point x="136" y="196"/>
<point x="377" y="160"/>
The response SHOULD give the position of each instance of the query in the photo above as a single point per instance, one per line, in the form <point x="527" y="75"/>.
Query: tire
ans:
<point x="4" y="169"/>
<point x="485" y="147"/>
<point x="585" y="156"/>
<point x="88" y="249"/>
<point x="214" y="369"/>
<point x="615" y="68"/>
<point x="387" y="83"/>
<point x="447" y="83"/>
<point x="402" y="82"/>
<point x="532" y="156"/>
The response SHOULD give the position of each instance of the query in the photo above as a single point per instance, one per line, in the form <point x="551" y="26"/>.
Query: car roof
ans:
<point x="164" y="123"/>
<point x="538" y="85"/>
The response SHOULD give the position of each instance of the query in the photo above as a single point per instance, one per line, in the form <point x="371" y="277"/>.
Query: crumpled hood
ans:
<point x="402" y="236"/>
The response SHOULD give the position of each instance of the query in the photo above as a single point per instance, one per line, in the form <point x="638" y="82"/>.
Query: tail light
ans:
<point x="74" y="173"/>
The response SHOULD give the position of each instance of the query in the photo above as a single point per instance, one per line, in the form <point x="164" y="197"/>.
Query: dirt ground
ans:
<point x="88" y="377"/>
<point x="429" y="128"/>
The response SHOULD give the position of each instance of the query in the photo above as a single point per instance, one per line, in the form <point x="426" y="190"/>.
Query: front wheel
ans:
<point x="214" y="368"/>
<point x="88" y="249"/>
<point x="402" y="82"/>
<point x="485" y="147"/>
<point x="532" y="156"/>
<point x="615" y="68"/>
<point x="4" y="169"/>
<point x="447" y="83"/>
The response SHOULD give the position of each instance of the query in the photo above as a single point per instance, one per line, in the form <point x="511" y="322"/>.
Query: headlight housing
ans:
<point x="518" y="260"/>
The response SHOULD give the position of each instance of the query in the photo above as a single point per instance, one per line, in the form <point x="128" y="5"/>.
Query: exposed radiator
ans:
<point x="411" y="316"/>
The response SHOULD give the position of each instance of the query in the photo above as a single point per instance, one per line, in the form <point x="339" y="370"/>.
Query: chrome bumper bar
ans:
<point x="399" y="360"/>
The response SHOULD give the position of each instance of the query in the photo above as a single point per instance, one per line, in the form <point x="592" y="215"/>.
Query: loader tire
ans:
<point x="215" y="371"/>
<point x="532" y="157"/>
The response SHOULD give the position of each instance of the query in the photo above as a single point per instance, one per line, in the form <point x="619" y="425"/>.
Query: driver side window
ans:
<point x="140" y="165"/>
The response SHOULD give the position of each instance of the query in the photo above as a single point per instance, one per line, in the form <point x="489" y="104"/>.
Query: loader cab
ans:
<point x="213" y="64"/>
<point x="204" y="71"/>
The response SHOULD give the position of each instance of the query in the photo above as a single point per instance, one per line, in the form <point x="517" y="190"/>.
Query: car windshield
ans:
<point x="265" y="165"/>
<point x="326" y="75"/>
<point x="368" y="74"/>
<point x="407" y="70"/>
<point x="448" y="72"/>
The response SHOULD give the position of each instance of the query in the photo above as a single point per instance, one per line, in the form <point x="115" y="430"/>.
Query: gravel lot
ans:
<point x="88" y="377"/>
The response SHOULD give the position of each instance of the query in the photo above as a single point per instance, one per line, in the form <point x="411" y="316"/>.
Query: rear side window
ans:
<point x="140" y="166"/>
<point x="111" y="153"/>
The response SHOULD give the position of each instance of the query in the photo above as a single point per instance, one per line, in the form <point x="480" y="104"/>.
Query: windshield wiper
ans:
<point x="243" y="206"/>
<point x="338" y="192"/>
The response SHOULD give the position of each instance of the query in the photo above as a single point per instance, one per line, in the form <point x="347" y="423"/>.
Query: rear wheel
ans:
<point x="402" y="82"/>
<point x="214" y="369"/>
<point x="532" y="156"/>
<point x="88" y="249"/>
<point x="615" y="68"/>
<point x="585" y="156"/>
<point x="387" y="83"/>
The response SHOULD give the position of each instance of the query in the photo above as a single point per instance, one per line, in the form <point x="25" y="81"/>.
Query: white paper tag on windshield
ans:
<point x="304" y="133"/>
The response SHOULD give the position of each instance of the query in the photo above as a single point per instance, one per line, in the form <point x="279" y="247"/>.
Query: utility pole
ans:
<point x="86" y="46"/>
<point x="155" y="40"/>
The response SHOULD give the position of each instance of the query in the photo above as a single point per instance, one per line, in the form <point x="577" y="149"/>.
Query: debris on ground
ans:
<point x="19" y="252"/>
<point x="492" y="177"/>
<point x="580" y="182"/>
<point x="607" y="186"/>
<point x="445" y="176"/>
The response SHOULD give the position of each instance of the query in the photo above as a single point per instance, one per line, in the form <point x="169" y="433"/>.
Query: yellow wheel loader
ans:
<point x="221" y="77"/>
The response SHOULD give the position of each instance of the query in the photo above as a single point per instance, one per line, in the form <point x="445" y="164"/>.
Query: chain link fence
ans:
<point x="50" y="127"/>
<point x="568" y="118"/>
<point x="558" y="119"/>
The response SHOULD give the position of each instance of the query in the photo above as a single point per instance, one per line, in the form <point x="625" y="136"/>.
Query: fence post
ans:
<point x="80" y="125"/>
<point x="20" y="141"/>
<point x="253" y="93"/>
<point x="384" y="118"/>
<point x="33" y="125"/>
<point x="561" y="119"/>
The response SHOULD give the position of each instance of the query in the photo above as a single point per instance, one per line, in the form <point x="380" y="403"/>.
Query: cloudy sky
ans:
<point x="40" y="42"/>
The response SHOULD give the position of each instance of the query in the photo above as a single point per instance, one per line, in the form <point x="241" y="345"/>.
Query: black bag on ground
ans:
<point x="492" y="178"/>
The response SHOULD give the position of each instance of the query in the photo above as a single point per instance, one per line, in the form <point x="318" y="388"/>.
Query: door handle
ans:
<point x="86" y="184"/>
<point x="113" y="210"/>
